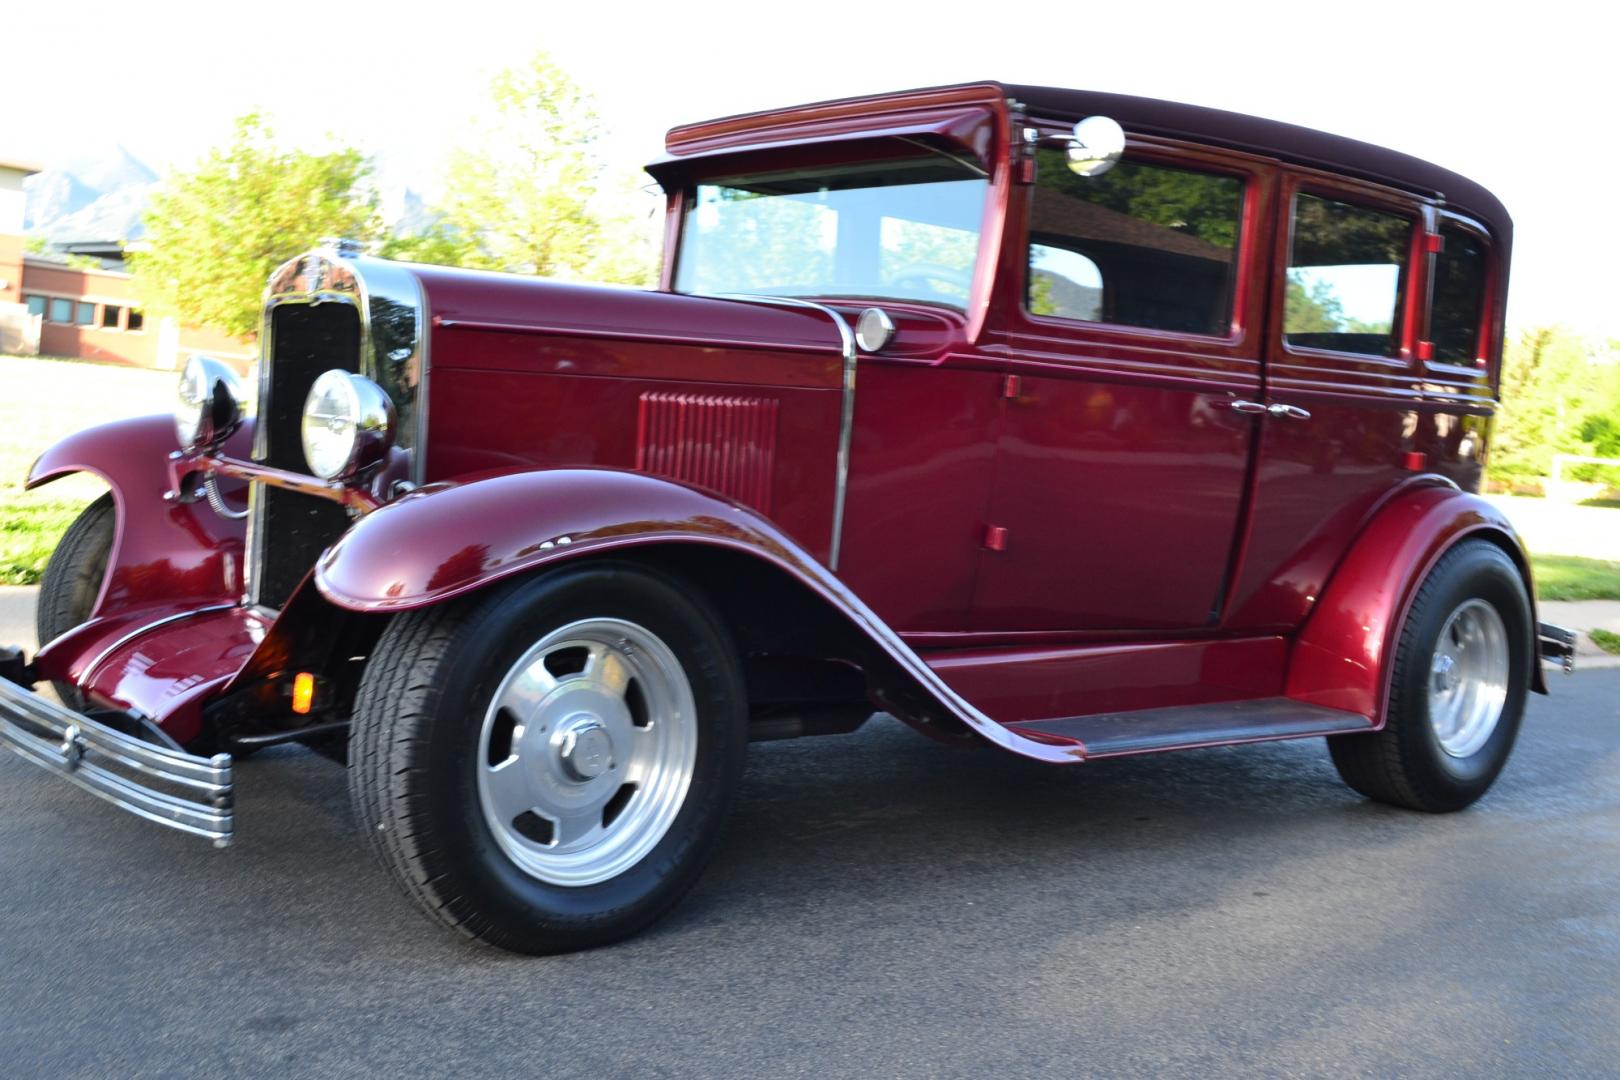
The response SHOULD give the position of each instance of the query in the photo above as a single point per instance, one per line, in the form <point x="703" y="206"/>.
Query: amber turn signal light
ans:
<point x="303" y="693"/>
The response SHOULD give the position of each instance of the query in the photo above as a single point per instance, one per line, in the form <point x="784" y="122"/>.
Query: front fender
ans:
<point x="448" y="540"/>
<point x="1343" y="657"/>
<point x="163" y="552"/>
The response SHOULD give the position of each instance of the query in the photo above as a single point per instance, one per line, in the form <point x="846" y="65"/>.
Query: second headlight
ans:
<point x="348" y="425"/>
<point x="208" y="404"/>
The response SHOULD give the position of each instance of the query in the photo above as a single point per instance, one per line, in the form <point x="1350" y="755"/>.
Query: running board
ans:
<point x="1186" y="727"/>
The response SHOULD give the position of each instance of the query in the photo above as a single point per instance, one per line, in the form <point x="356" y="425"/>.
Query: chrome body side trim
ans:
<point x="846" y="421"/>
<point x="120" y="768"/>
<point x="393" y="353"/>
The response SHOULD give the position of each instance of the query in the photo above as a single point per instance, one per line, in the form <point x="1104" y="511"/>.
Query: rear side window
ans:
<point x="1459" y="296"/>
<point x="1346" y="277"/>
<point x="1141" y="245"/>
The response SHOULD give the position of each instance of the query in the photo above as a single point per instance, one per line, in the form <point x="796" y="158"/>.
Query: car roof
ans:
<point x="1289" y="142"/>
<point x="1147" y="116"/>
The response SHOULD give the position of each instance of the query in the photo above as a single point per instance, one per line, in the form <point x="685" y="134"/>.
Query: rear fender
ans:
<point x="1343" y="655"/>
<point x="449" y="540"/>
<point x="163" y="552"/>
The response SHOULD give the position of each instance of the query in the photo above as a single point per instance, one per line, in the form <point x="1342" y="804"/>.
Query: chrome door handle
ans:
<point x="1247" y="408"/>
<point x="1288" y="412"/>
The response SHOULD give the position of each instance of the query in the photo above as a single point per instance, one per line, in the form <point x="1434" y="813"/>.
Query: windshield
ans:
<point x="889" y="230"/>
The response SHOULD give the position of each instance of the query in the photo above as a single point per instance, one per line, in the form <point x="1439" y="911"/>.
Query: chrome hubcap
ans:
<point x="587" y="751"/>
<point x="1468" y="678"/>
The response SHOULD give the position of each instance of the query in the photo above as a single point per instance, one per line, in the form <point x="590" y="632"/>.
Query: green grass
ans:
<point x="41" y="402"/>
<point x="28" y="534"/>
<point x="1607" y="640"/>
<point x="1567" y="577"/>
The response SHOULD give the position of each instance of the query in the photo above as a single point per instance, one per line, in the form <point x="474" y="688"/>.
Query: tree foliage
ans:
<point x="1559" y="395"/>
<point x="530" y="194"/>
<point x="1196" y="203"/>
<point x="215" y="234"/>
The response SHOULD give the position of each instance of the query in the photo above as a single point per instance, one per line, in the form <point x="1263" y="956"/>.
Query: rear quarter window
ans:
<point x="1457" y="309"/>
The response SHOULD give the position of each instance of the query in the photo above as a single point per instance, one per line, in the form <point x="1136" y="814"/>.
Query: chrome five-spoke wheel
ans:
<point x="1468" y="678"/>
<point x="587" y="751"/>
<point x="1461" y="668"/>
<point x="546" y="765"/>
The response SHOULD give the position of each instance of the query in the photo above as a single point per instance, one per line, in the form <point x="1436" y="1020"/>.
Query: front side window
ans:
<point x="85" y="315"/>
<point x="1141" y="245"/>
<point x="36" y="305"/>
<point x="61" y="310"/>
<point x="1458" y="306"/>
<point x="906" y="230"/>
<point x="109" y="316"/>
<point x="1346" y="277"/>
<point x="136" y="321"/>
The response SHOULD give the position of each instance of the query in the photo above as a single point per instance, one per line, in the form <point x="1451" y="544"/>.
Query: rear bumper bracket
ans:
<point x="1557" y="644"/>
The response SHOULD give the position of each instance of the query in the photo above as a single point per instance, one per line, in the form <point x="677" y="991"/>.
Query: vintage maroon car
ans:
<point x="1075" y="424"/>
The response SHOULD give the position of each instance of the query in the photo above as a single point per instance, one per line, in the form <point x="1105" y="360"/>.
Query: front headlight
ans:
<point x="348" y="425"/>
<point x="208" y="405"/>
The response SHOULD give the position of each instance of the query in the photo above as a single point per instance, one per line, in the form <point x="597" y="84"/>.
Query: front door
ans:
<point x="1132" y="381"/>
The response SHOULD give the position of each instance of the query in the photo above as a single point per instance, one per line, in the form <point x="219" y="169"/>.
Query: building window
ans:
<point x="85" y="314"/>
<point x="61" y="311"/>
<point x="137" y="321"/>
<point x="36" y="304"/>
<point x="109" y="316"/>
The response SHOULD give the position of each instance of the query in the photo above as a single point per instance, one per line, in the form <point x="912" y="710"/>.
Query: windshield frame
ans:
<point x="785" y="161"/>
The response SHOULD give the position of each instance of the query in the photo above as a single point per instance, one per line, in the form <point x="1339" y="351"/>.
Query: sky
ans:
<point x="1519" y="97"/>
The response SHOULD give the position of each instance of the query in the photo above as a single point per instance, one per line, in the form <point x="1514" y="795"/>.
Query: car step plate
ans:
<point x="1183" y="727"/>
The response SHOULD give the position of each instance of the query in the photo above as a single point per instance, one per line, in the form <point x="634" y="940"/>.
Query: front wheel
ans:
<point x="72" y="581"/>
<point x="546" y="768"/>
<point x="1462" y="670"/>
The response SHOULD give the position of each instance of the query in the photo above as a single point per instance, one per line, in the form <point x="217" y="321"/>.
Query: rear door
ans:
<point x="1126" y="323"/>
<point x="1351" y="411"/>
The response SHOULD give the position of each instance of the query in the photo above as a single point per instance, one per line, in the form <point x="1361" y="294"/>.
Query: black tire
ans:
<point x="72" y="580"/>
<point x="414" y="748"/>
<point x="1404" y="764"/>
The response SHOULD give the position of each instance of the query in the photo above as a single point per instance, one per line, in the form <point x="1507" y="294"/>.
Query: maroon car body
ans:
<point x="1067" y="536"/>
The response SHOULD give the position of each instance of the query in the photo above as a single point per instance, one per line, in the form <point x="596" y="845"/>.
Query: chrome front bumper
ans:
<point x="170" y="787"/>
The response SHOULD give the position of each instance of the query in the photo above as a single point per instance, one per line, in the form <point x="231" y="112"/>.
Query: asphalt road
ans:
<point x="881" y="906"/>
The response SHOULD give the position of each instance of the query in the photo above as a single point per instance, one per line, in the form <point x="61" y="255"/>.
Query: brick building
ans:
<point x="52" y="308"/>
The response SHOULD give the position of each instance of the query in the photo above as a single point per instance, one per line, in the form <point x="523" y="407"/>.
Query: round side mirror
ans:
<point x="1096" y="146"/>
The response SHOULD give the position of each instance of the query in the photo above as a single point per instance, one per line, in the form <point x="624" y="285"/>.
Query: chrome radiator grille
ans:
<point x="290" y="529"/>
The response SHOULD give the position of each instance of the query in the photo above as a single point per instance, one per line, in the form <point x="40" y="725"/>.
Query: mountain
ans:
<point x="110" y="170"/>
<point x="97" y="195"/>
<point x="114" y="216"/>
<point x="52" y="195"/>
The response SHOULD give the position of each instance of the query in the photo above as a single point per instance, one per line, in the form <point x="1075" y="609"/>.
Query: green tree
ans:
<point x="1559" y="395"/>
<point x="1195" y="203"/>
<point x="1311" y="310"/>
<point x="214" y="234"/>
<point x="530" y="193"/>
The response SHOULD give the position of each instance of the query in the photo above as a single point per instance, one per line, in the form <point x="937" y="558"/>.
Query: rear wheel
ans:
<point x="1462" y="669"/>
<point x="72" y="580"/>
<point x="546" y="768"/>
